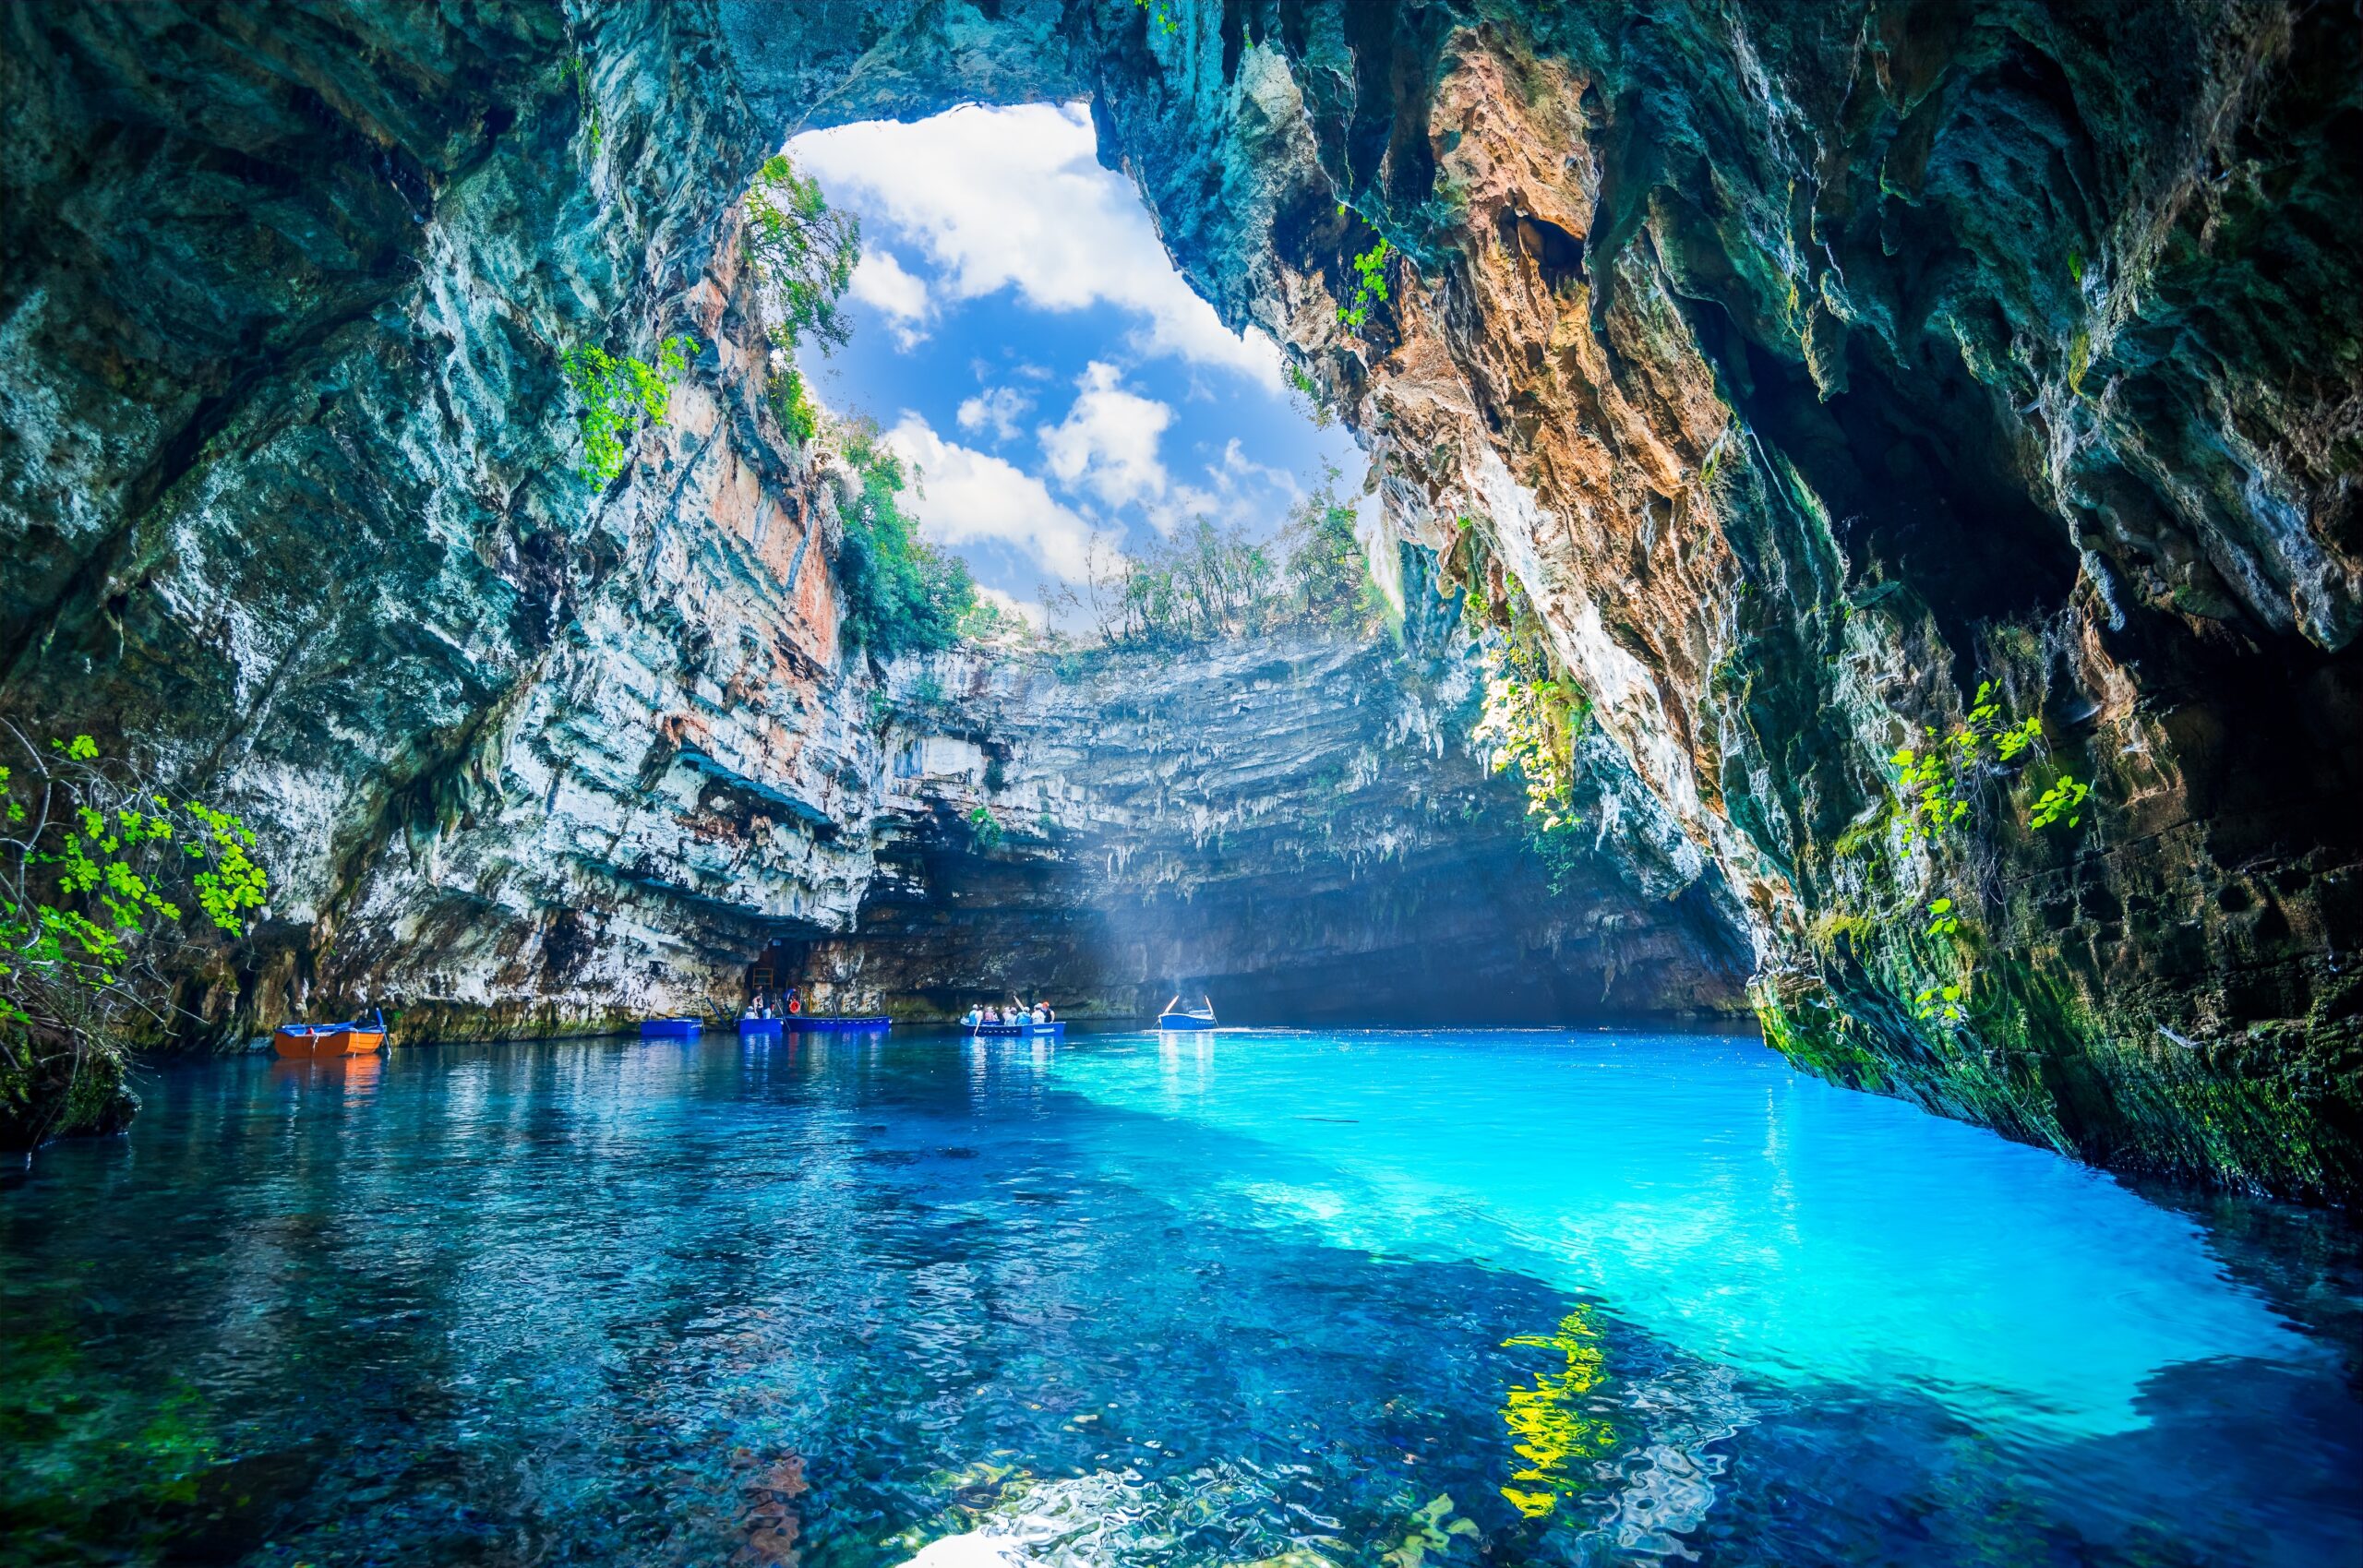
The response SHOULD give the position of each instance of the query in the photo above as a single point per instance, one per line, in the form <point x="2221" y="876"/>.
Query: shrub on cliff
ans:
<point x="613" y="393"/>
<point x="95" y="862"/>
<point x="902" y="595"/>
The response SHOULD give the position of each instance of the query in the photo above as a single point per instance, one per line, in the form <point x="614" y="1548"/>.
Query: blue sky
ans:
<point x="1021" y="335"/>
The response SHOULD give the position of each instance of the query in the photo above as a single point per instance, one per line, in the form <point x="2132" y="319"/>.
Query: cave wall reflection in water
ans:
<point x="1533" y="1296"/>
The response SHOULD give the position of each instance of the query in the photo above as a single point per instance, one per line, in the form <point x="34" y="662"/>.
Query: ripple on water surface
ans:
<point x="1408" y="1300"/>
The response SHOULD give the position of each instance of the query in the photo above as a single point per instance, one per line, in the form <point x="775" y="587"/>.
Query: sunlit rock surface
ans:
<point x="1297" y="826"/>
<point x="1808" y="365"/>
<point x="1803" y="363"/>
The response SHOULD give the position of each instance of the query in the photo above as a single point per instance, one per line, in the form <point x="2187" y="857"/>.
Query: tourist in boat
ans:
<point x="794" y="1002"/>
<point x="976" y="1016"/>
<point x="1041" y="1012"/>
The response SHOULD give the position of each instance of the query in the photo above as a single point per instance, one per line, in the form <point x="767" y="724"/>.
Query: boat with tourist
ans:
<point x="1027" y="1030"/>
<point x="1014" y="1021"/>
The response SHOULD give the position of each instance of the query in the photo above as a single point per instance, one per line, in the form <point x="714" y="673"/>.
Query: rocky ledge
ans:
<point x="1802" y="370"/>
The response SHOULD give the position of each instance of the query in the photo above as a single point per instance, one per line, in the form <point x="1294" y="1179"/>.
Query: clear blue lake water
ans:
<point x="1388" y="1298"/>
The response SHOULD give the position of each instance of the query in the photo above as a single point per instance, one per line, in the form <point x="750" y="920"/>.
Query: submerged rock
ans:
<point x="1802" y="366"/>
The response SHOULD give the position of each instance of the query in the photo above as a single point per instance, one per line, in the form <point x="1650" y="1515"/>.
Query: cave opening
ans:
<point x="404" y="445"/>
<point x="1157" y="770"/>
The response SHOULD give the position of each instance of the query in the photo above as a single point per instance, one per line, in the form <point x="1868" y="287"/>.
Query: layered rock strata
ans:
<point x="289" y="502"/>
<point x="1801" y="367"/>
<point x="1296" y="825"/>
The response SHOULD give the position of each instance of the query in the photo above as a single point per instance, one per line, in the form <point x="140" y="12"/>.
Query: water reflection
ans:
<point x="349" y="1077"/>
<point x="838" y="1301"/>
<point x="1553" y="1428"/>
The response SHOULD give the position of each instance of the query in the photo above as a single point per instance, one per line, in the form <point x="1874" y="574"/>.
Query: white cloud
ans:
<point x="879" y="279"/>
<point x="1108" y="442"/>
<point x="970" y="498"/>
<point x="1238" y="469"/>
<point x="1010" y="604"/>
<point x="997" y="409"/>
<point x="1015" y="199"/>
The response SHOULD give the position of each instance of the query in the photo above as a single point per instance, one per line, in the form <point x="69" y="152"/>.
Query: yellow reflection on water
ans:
<point x="1549" y="1429"/>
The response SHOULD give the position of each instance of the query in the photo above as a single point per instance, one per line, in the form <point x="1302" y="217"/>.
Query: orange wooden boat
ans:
<point x="329" y="1039"/>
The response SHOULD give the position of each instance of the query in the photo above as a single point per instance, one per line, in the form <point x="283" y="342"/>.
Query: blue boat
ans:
<point x="671" y="1028"/>
<point x="844" y="1026"/>
<point x="1017" y="1030"/>
<point x="1178" y="1019"/>
<point x="759" y="1028"/>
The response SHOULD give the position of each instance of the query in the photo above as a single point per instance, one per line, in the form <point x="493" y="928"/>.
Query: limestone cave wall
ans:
<point x="1800" y="367"/>
<point x="1300" y="825"/>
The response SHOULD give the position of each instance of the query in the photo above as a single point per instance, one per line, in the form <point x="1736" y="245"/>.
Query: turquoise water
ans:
<point x="1410" y="1300"/>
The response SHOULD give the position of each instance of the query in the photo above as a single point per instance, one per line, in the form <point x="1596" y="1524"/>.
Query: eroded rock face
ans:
<point x="1802" y="364"/>
<point x="288" y="501"/>
<point x="1297" y="825"/>
<point x="287" y="494"/>
<point x="1806" y="367"/>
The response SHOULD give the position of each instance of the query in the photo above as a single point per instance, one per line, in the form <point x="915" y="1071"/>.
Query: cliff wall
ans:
<point x="1300" y="824"/>
<point x="1806" y="369"/>
<point x="1799" y="367"/>
<point x="289" y="500"/>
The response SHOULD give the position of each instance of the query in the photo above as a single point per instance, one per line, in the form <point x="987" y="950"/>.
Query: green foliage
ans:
<point x="1313" y="401"/>
<point x="1532" y="723"/>
<point x="95" y="862"/>
<point x="1160" y="13"/>
<point x="1370" y="284"/>
<point x="985" y="621"/>
<point x="614" y="392"/>
<point x="2064" y="800"/>
<point x="577" y="70"/>
<point x="1942" y="1003"/>
<point x="1325" y="571"/>
<point x="1942" y="920"/>
<point x="802" y="254"/>
<point x="791" y="404"/>
<point x="902" y="595"/>
<point x="1203" y="584"/>
<point x="1207" y="583"/>
<point x="1938" y="776"/>
<point x="1564" y="850"/>
<point x="986" y="828"/>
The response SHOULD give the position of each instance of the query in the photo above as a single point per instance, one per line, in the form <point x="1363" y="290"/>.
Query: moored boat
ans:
<point x="305" y="1040"/>
<point x="860" y="1026"/>
<point x="759" y="1028"/>
<point x="1017" y="1030"/>
<point x="672" y="1028"/>
<point x="1177" y="1018"/>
